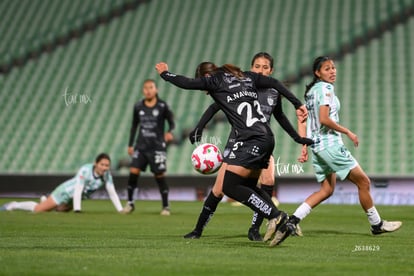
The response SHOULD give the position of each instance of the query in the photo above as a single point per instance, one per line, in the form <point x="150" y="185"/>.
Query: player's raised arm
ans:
<point x="180" y="81"/>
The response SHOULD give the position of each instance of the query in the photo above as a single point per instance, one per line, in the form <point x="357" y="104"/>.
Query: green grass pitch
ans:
<point x="100" y="241"/>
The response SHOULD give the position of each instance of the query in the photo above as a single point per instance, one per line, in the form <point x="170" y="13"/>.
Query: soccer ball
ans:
<point x="206" y="158"/>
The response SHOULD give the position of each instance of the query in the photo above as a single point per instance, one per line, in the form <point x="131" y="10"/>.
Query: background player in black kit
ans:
<point x="236" y="94"/>
<point x="150" y="147"/>
<point x="270" y="102"/>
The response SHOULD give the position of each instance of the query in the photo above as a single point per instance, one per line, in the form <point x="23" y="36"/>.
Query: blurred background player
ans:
<point x="150" y="147"/>
<point x="330" y="157"/>
<point x="69" y="195"/>
<point x="270" y="103"/>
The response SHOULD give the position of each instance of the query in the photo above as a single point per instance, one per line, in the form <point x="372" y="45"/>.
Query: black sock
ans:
<point x="260" y="191"/>
<point x="162" y="185"/>
<point x="294" y="219"/>
<point x="241" y="189"/>
<point x="209" y="207"/>
<point x="257" y="219"/>
<point x="132" y="184"/>
<point x="268" y="189"/>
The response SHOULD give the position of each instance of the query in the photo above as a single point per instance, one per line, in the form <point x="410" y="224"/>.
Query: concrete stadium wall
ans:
<point x="386" y="191"/>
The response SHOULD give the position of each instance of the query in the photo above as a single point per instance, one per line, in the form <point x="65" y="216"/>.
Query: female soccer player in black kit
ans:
<point x="150" y="147"/>
<point x="271" y="104"/>
<point x="236" y="94"/>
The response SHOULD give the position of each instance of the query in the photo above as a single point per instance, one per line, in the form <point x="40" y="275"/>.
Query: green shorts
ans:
<point x="336" y="159"/>
<point x="61" y="196"/>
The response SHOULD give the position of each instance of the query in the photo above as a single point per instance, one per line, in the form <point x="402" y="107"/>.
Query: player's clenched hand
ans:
<point x="302" y="113"/>
<point x="303" y="155"/>
<point x="195" y="135"/>
<point x="353" y="137"/>
<point x="168" y="137"/>
<point x="130" y="151"/>
<point x="161" y="67"/>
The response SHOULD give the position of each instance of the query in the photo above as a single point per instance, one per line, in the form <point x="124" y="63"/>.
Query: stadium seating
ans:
<point x="43" y="133"/>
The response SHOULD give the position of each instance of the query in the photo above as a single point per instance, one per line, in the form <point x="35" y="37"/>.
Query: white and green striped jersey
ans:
<point x="83" y="185"/>
<point x="88" y="179"/>
<point x="322" y="93"/>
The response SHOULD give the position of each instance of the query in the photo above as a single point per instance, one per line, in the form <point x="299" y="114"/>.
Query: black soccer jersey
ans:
<point x="238" y="98"/>
<point x="269" y="100"/>
<point x="151" y="121"/>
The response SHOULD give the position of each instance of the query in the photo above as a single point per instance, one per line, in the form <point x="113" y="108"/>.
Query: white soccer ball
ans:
<point x="206" y="158"/>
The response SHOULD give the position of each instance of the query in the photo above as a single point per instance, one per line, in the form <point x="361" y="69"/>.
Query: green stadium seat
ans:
<point x="110" y="64"/>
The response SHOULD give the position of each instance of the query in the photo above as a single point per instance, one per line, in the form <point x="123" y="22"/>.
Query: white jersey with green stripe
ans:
<point x="90" y="181"/>
<point x="322" y="93"/>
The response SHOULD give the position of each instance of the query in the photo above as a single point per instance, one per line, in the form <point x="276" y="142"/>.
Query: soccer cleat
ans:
<point x="128" y="209"/>
<point x="8" y="206"/>
<point x="275" y="201"/>
<point x="43" y="198"/>
<point x="4" y="207"/>
<point x="298" y="231"/>
<point x="192" y="235"/>
<point x="385" y="227"/>
<point x="254" y="234"/>
<point x="165" y="212"/>
<point x="236" y="204"/>
<point x="274" y="224"/>
<point x="295" y="221"/>
<point x="284" y="231"/>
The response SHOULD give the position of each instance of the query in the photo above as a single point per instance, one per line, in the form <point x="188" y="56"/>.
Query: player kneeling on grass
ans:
<point x="68" y="195"/>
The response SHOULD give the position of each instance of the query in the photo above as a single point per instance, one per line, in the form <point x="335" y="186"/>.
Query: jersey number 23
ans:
<point x="250" y="120"/>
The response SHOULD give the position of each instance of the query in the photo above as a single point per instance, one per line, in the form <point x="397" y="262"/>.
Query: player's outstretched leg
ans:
<point x="362" y="181"/>
<point x="209" y="207"/>
<point x="243" y="190"/>
<point x="14" y="205"/>
<point x="257" y="220"/>
<point x="9" y="206"/>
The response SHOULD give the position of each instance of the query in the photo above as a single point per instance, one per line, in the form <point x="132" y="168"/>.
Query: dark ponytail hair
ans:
<point x="263" y="55"/>
<point x="204" y="68"/>
<point x="102" y="156"/>
<point x="232" y="69"/>
<point x="208" y="67"/>
<point x="317" y="63"/>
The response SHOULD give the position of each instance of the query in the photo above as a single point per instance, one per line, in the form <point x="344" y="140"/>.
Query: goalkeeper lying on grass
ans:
<point x="68" y="195"/>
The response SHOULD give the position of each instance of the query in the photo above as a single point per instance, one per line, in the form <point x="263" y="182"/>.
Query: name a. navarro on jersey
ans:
<point x="240" y="94"/>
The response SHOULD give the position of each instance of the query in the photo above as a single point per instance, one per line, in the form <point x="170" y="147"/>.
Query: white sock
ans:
<point x="302" y="211"/>
<point x="25" y="206"/>
<point x="373" y="216"/>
